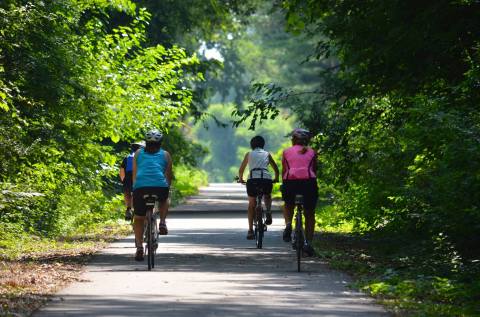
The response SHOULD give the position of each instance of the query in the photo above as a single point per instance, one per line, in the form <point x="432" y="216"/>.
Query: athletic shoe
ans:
<point x="162" y="228"/>
<point x="287" y="234"/>
<point x="128" y="214"/>
<point x="308" y="250"/>
<point x="139" y="254"/>
<point x="268" y="221"/>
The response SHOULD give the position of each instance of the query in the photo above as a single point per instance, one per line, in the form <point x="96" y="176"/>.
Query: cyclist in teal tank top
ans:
<point x="152" y="174"/>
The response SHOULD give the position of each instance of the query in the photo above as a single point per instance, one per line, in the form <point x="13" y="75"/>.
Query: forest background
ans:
<point x="389" y="89"/>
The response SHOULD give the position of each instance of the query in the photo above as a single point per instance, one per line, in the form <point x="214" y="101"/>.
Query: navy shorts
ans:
<point x="255" y="183"/>
<point x="139" y="203"/>
<point x="306" y="187"/>
<point x="128" y="183"/>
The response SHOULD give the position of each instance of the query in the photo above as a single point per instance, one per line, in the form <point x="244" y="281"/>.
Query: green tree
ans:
<point x="397" y="119"/>
<point x="72" y="84"/>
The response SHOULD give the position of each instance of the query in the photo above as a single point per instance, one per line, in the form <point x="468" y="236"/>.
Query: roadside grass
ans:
<point x="33" y="268"/>
<point x="407" y="276"/>
<point x="186" y="183"/>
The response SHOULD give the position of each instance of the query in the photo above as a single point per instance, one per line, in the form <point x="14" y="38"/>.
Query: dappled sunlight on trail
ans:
<point x="206" y="267"/>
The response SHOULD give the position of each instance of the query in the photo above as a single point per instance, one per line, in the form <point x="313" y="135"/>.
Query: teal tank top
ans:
<point x="151" y="169"/>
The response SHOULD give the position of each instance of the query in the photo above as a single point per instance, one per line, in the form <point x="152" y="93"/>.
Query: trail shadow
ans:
<point x="207" y="305"/>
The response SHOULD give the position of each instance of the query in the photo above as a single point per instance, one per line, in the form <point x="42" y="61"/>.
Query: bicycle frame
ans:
<point x="259" y="216"/>
<point x="259" y="219"/>
<point x="150" y="229"/>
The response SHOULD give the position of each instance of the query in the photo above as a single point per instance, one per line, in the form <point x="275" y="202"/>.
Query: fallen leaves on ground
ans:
<point x="28" y="282"/>
<point x="25" y="285"/>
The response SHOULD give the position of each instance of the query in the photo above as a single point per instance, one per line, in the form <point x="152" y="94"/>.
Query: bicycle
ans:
<point x="299" y="233"/>
<point x="150" y="229"/>
<point x="259" y="217"/>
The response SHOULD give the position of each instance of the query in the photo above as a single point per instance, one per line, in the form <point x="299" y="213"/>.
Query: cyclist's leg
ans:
<point x="268" y="202"/>
<point x="310" y="191"/>
<point x="309" y="224"/>
<point x="251" y="211"/>
<point x="289" y="191"/>
<point x="267" y="197"/>
<point x="309" y="231"/>
<point x="251" y="206"/>
<point x="127" y="195"/>
<point x="288" y="215"/>
<point x="311" y="197"/>
<point x="138" y="229"/>
<point x="139" y="219"/>
<point x="162" y="193"/>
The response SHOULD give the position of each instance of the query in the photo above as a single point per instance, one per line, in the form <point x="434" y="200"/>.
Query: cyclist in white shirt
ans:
<point x="258" y="160"/>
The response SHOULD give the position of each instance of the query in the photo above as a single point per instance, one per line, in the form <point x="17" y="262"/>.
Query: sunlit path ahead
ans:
<point x="206" y="267"/>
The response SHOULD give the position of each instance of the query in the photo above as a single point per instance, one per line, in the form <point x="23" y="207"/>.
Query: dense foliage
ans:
<point x="396" y="124"/>
<point x="72" y="83"/>
<point x="397" y="118"/>
<point x="259" y="51"/>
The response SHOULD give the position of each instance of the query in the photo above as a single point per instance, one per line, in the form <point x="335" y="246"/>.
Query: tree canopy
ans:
<point x="70" y="93"/>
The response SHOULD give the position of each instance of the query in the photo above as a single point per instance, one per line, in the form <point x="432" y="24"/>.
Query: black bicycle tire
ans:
<point x="260" y="226"/>
<point x="149" y="243"/>
<point x="152" y="245"/>
<point x="299" y="239"/>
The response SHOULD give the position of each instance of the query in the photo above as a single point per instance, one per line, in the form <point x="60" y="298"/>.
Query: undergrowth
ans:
<point x="411" y="275"/>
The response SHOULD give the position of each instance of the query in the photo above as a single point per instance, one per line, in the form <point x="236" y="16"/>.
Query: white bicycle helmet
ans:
<point x="153" y="136"/>
<point x="138" y="144"/>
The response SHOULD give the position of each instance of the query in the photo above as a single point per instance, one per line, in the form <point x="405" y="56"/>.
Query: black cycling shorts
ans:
<point x="139" y="203"/>
<point x="308" y="188"/>
<point x="128" y="182"/>
<point x="253" y="184"/>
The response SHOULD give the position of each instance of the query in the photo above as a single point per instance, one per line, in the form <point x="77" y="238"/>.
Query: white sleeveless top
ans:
<point x="258" y="163"/>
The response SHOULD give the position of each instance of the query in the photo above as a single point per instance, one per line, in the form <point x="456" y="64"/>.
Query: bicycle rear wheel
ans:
<point x="260" y="228"/>
<point x="149" y="243"/>
<point x="299" y="239"/>
<point x="153" y="250"/>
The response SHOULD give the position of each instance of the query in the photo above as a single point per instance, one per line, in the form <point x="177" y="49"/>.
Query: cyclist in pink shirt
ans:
<point x="299" y="163"/>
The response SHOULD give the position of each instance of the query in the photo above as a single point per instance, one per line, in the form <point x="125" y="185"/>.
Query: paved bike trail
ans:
<point x="206" y="267"/>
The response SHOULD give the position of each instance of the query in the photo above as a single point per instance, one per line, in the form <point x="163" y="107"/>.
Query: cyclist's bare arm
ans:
<point x="169" y="169"/>
<point x="284" y="165"/>
<point x="274" y="166"/>
<point x="122" y="174"/>
<point x="241" y="170"/>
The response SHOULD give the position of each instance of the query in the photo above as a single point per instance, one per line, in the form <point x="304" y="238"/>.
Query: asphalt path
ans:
<point x="206" y="267"/>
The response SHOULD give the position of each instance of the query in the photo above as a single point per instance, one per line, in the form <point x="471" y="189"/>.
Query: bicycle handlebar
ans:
<point x="237" y="179"/>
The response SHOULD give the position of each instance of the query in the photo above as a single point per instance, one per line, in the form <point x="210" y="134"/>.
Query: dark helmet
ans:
<point x="301" y="134"/>
<point x="136" y="145"/>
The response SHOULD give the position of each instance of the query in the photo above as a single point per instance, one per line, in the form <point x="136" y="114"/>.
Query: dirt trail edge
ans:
<point x="206" y="267"/>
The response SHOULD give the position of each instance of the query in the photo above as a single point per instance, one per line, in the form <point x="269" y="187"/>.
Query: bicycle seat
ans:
<point x="298" y="199"/>
<point x="150" y="199"/>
